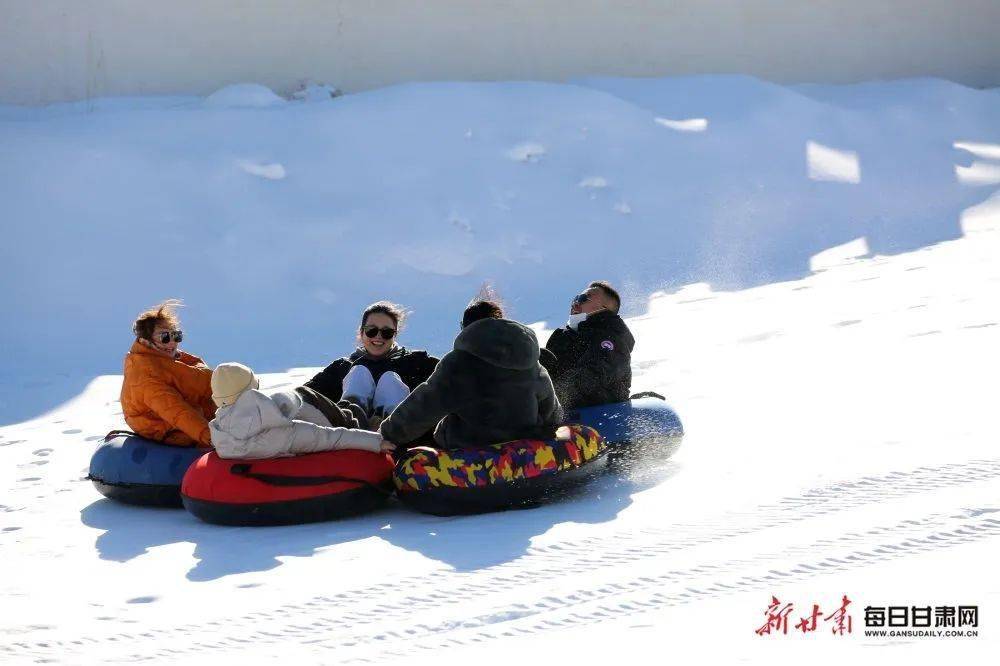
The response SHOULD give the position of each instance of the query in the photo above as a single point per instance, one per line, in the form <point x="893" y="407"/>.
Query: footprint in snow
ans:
<point x="760" y="337"/>
<point x="42" y="452"/>
<point x="848" y="322"/>
<point x="94" y="438"/>
<point x="142" y="600"/>
<point x="72" y="431"/>
<point x="11" y="529"/>
<point x="986" y="325"/>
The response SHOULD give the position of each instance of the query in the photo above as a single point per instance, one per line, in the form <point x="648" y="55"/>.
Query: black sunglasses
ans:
<point x="580" y="299"/>
<point x="165" y="336"/>
<point x="387" y="333"/>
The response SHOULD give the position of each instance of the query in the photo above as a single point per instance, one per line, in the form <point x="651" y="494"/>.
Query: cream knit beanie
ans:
<point x="229" y="380"/>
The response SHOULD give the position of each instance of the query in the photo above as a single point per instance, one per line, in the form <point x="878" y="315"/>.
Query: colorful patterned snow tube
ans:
<point x="287" y="491"/>
<point x="131" y="469"/>
<point x="503" y="476"/>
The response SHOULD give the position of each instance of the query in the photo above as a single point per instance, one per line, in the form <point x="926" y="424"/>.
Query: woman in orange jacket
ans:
<point x="167" y="393"/>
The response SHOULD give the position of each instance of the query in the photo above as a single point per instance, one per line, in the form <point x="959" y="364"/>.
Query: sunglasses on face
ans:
<point x="386" y="332"/>
<point x="580" y="299"/>
<point x="165" y="336"/>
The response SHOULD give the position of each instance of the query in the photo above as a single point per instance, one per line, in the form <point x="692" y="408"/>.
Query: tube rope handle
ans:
<point x="245" y="470"/>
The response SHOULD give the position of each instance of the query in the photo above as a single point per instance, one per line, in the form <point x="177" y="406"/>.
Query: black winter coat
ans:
<point x="489" y="389"/>
<point x="593" y="364"/>
<point x="413" y="367"/>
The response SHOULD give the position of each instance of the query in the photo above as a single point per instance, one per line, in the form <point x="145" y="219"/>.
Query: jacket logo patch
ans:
<point x="607" y="344"/>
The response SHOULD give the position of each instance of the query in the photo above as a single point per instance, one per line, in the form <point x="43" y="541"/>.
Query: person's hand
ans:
<point x="387" y="447"/>
<point x="563" y="434"/>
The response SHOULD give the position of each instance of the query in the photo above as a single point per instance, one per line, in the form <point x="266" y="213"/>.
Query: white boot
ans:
<point x="359" y="387"/>
<point x="390" y="392"/>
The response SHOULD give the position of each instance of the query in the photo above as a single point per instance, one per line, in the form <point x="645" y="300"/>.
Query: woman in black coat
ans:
<point x="380" y="373"/>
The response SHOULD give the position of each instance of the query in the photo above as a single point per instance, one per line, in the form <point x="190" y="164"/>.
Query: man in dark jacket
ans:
<point x="489" y="389"/>
<point x="590" y="360"/>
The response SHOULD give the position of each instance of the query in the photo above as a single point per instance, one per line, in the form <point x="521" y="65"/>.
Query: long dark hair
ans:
<point x="391" y="310"/>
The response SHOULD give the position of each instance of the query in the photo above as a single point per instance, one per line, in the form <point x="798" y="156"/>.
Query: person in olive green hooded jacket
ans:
<point x="489" y="389"/>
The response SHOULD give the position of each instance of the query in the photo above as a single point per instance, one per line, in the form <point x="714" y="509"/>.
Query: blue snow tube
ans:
<point x="131" y="469"/>
<point x="643" y="426"/>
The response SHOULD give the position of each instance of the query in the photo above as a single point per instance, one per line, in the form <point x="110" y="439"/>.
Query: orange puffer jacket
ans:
<point x="167" y="400"/>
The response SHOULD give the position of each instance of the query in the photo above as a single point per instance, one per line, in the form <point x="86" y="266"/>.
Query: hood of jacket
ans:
<point x="500" y="342"/>
<point x="610" y="324"/>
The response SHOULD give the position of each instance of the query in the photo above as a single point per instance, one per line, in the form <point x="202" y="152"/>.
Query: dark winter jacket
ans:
<point x="489" y="389"/>
<point x="413" y="367"/>
<point x="592" y="365"/>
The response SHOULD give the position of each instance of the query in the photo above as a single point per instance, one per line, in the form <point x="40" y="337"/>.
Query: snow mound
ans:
<point x="524" y="152"/>
<point x="420" y="193"/>
<point x="243" y="95"/>
<point x="316" y="92"/>
<point x="593" y="183"/>
<point x="266" y="171"/>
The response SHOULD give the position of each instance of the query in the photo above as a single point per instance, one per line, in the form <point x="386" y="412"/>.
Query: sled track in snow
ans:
<point x="587" y="606"/>
<point x="354" y="612"/>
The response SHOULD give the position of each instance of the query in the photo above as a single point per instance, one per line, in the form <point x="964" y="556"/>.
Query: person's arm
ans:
<point x="425" y="406"/>
<point x="560" y="348"/>
<point x="428" y="366"/>
<point x="330" y="381"/>
<point x="549" y="408"/>
<point x="547" y="359"/>
<point x="170" y="405"/>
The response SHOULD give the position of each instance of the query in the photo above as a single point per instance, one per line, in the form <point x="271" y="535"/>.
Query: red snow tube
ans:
<point x="286" y="491"/>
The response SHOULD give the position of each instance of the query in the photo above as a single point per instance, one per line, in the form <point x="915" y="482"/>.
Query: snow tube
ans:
<point x="135" y="470"/>
<point x="287" y="491"/>
<point x="514" y="474"/>
<point x="642" y="426"/>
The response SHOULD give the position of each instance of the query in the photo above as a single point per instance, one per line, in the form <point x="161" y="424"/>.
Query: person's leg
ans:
<point x="359" y="387"/>
<point x="389" y="392"/>
<point x="309" y="413"/>
<point x="331" y="412"/>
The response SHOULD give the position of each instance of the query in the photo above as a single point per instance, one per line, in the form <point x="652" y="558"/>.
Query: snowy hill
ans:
<point x="812" y="274"/>
<point x="278" y="221"/>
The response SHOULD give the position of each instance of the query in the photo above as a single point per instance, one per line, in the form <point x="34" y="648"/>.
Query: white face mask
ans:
<point x="575" y="319"/>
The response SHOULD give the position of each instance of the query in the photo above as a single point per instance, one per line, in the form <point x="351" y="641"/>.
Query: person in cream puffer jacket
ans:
<point x="252" y="424"/>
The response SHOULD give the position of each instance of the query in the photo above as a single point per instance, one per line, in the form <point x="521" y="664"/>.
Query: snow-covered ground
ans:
<point x="832" y="352"/>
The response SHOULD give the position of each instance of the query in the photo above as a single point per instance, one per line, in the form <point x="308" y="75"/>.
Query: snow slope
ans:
<point x="838" y="406"/>
<point x="297" y="214"/>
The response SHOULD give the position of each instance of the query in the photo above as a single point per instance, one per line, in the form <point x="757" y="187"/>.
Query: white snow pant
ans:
<point x="361" y="389"/>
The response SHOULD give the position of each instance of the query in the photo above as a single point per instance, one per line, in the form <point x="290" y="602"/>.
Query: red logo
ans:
<point x="777" y="619"/>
